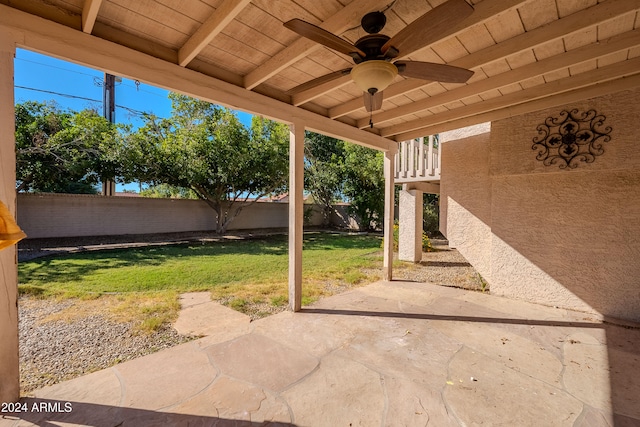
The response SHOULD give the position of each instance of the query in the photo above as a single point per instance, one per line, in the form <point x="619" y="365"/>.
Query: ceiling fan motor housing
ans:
<point x="371" y="45"/>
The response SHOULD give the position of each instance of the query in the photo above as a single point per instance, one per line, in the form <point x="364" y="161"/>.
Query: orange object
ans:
<point x="10" y="233"/>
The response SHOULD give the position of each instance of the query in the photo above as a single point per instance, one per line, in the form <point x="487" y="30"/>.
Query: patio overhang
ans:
<point x="525" y="54"/>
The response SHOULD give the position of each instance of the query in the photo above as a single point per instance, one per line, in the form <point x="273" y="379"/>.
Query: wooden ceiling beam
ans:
<point x="139" y="44"/>
<point x="613" y="86"/>
<point x="89" y="14"/>
<point x="311" y="94"/>
<point x="589" y="78"/>
<point x="337" y="24"/>
<point x="219" y="19"/>
<point x="555" y="30"/>
<point x="62" y="42"/>
<point x="580" y="55"/>
<point x="49" y="11"/>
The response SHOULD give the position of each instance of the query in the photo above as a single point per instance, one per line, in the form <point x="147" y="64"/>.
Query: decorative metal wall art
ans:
<point x="572" y="138"/>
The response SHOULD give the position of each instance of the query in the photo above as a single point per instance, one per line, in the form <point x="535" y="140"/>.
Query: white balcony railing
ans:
<point x="417" y="160"/>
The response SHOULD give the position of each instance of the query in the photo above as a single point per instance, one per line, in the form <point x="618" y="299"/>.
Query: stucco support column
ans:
<point x="9" y="361"/>
<point x="389" y="195"/>
<point x="296" y="185"/>
<point x="410" y="221"/>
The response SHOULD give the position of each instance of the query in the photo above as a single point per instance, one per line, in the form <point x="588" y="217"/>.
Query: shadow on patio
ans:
<point x="91" y="414"/>
<point x="396" y="353"/>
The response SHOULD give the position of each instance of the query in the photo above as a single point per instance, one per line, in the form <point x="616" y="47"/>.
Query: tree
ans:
<point x="61" y="151"/>
<point x="205" y="148"/>
<point x="165" y="191"/>
<point x="364" y="184"/>
<point x="323" y="170"/>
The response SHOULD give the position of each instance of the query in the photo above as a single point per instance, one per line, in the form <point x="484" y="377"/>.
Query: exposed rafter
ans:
<point x="528" y="107"/>
<point x="310" y="94"/>
<point x="63" y="42"/>
<point x="580" y="55"/>
<point x="337" y="24"/>
<point x="555" y="30"/>
<point x="89" y="14"/>
<point x="598" y="76"/>
<point x="219" y="19"/>
<point x="516" y="43"/>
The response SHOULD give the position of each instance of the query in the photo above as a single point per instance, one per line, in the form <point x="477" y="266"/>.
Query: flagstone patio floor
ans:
<point x="387" y="354"/>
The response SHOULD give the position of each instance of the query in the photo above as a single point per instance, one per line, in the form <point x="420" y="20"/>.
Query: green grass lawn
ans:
<point x="241" y="273"/>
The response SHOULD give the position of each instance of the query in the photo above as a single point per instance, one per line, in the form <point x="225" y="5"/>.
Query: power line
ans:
<point x="137" y="87"/>
<point x="53" y="66"/>
<point x="66" y="95"/>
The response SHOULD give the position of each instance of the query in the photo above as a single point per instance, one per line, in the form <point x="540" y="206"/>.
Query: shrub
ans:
<point x="426" y="242"/>
<point x="431" y="219"/>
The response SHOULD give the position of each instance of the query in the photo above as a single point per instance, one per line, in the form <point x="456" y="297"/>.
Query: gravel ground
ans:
<point x="444" y="267"/>
<point x="55" y="347"/>
<point x="55" y="350"/>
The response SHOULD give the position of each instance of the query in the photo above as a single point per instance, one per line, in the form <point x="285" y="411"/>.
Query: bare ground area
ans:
<point x="444" y="267"/>
<point x="55" y="347"/>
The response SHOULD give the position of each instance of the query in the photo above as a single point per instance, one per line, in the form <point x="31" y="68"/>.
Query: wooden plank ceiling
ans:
<point x="526" y="54"/>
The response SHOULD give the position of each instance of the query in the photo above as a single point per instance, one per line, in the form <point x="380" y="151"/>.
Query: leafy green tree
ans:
<point x="205" y="148"/>
<point x="364" y="184"/>
<point x="61" y="151"/>
<point x="323" y="171"/>
<point x="166" y="191"/>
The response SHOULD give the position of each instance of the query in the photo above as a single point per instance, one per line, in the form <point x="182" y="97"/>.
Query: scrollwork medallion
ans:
<point x="572" y="138"/>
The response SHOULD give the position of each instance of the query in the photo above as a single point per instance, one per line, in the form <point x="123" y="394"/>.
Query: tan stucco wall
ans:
<point x="62" y="215"/>
<point x="410" y="212"/>
<point x="465" y="199"/>
<point x="568" y="238"/>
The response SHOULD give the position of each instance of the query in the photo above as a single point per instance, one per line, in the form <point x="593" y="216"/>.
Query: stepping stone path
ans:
<point x="199" y="316"/>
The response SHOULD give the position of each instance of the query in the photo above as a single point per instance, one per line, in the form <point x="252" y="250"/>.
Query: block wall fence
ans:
<point x="67" y="215"/>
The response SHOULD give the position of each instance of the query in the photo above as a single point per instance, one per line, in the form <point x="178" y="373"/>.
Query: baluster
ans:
<point x="430" y="163"/>
<point x="437" y="161"/>
<point x="404" y="159"/>
<point x="421" y="158"/>
<point x="397" y="163"/>
<point x="412" y="158"/>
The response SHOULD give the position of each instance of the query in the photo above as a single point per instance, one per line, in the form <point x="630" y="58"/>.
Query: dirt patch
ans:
<point x="445" y="267"/>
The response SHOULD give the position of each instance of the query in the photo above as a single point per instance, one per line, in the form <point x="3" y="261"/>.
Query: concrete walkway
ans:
<point x="389" y="354"/>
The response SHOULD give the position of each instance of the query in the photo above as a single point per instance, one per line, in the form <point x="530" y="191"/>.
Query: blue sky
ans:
<point x="43" y="78"/>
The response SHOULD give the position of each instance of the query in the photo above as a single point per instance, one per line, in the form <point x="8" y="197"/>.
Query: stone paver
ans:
<point x="262" y="361"/>
<point x="389" y="354"/>
<point x="499" y="395"/>
<point x="200" y="316"/>
<point x="341" y="392"/>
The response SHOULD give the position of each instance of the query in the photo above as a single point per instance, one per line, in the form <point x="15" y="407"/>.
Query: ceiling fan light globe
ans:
<point x="376" y="74"/>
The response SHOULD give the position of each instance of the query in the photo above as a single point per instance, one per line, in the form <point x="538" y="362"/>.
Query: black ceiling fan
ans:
<point x="377" y="55"/>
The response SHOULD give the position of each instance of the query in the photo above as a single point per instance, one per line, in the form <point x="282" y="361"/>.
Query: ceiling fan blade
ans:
<point x="323" y="37"/>
<point x="434" y="72"/>
<point x="434" y="25"/>
<point x="319" y="81"/>
<point x="372" y="102"/>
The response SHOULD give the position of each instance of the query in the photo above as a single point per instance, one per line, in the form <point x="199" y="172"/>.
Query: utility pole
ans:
<point x="109" y="103"/>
